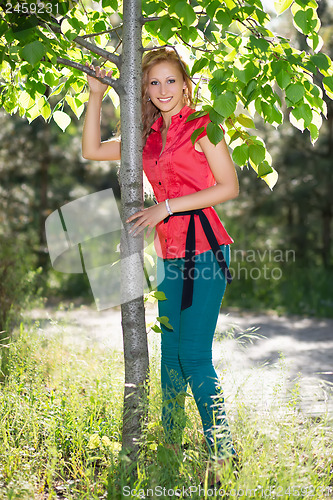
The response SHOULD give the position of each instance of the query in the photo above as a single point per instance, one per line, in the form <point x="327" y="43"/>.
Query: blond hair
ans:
<point x="151" y="113"/>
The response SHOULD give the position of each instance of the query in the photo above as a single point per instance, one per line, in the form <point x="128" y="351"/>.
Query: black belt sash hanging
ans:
<point x="189" y="267"/>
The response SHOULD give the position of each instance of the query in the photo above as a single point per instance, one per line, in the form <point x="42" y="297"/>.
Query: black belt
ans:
<point x="190" y="253"/>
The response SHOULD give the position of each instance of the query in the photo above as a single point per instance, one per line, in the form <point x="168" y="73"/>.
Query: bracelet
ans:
<point x="168" y="207"/>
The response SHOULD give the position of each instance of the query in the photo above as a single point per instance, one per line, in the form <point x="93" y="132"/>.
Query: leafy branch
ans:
<point x="81" y="67"/>
<point x="80" y="40"/>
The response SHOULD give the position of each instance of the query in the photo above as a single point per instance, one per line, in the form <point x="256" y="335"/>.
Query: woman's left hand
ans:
<point x="148" y="217"/>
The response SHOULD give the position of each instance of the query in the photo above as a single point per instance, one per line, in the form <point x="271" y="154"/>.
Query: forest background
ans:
<point x="61" y="423"/>
<point x="282" y="255"/>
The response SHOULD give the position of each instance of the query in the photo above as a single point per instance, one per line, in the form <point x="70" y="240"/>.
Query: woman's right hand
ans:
<point x="96" y="86"/>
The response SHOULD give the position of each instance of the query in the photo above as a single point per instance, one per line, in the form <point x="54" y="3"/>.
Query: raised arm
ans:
<point x="92" y="147"/>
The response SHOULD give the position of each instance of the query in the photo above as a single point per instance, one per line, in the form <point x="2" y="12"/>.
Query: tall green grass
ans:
<point x="60" y="434"/>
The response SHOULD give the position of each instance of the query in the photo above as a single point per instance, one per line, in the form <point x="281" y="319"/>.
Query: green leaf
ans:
<point x="305" y="3"/>
<point x="215" y="117"/>
<point x="165" y="27"/>
<point x="61" y="119"/>
<point x="251" y="89"/>
<point x="185" y="12"/>
<point x="270" y="178"/>
<point x="159" y="295"/>
<point x="113" y="4"/>
<point x="184" y="32"/>
<point x="240" y="154"/>
<point x="283" y="79"/>
<point x="3" y="27"/>
<point x="224" y="18"/>
<point x="63" y="8"/>
<point x="282" y="5"/>
<point x="234" y="135"/>
<point x="303" y="112"/>
<point x="196" y="114"/>
<point x="49" y="79"/>
<point x="216" y="86"/>
<point x="211" y="8"/>
<point x="215" y="133"/>
<point x="148" y="8"/>
<point x="276" y="66"/>
<point x="25" y="100"/>
<point x="314" y="132"/>
<point x="225" y="104"/>
<point x="164" y="320"/>
<point x="33" y="52"/>
<point x="45" y="109"/>
<point x="58" y="89"/>
<point x="264" y="168"/>
<point x="315" y="41"/>
<point x="75" y="105"/>
<point x="156" y="329"/>
<point x="196" y="134"/>
<point x="267" y="111"/>
<point x="199" y="64"/>
<point x="328" y="83"/>
<point x="219" y="74"/>
<point x="245" y="120"/>
<point x="295" y="92"/>
<point x="99" y="26"/>
<point x="259" y="43"/>
<point x="322" y="61"/>
<point x="69" y="30"/>
<point x="257" y="153"/>
<point x="247" y="73"/>
<point x="306" y="20"/>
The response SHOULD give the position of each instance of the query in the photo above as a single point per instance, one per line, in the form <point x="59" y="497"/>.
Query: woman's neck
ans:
<point x="167" y="117"/>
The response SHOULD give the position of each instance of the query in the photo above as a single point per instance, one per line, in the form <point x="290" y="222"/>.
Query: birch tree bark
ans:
<point x="131" y="184"/>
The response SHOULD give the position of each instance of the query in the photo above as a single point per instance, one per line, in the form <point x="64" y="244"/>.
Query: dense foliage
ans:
<point x="242" y="69"/>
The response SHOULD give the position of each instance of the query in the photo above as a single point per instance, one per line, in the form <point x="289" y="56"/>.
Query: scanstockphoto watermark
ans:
<point x="193" y="491"/>
<point x="255" y="264"/>
<point x="260" y="491"/>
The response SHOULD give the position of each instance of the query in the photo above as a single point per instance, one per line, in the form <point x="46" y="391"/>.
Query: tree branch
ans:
<point x="195" y="48"/>
<point x="146" y="49"/>
<point x="145" y="20"/>
<point x="114" y="58"/>
<point x="97" y="50"/>
<point x="90" y="35"/>
<point x="112" y="82"/>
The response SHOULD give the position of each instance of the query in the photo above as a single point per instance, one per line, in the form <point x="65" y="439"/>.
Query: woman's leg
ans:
<point x="173" y="383"/>
<point x="197" y="328"/>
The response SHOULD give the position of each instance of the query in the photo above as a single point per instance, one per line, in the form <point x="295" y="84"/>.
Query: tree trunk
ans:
<point x="131" y="185"/>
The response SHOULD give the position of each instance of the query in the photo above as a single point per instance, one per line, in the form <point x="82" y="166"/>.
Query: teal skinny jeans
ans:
<point x="186" y="351"/>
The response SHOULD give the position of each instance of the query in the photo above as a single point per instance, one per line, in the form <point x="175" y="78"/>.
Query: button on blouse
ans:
<point x="176" y="171"/>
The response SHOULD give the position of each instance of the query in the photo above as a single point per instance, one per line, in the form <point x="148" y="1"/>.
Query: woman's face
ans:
<point x="166" y="86"/>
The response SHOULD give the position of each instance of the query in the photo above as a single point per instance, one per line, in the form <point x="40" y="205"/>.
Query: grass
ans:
<point x="60" y="434"/>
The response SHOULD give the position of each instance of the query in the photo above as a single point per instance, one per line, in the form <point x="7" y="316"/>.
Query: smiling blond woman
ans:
<point x="191" y="243"/>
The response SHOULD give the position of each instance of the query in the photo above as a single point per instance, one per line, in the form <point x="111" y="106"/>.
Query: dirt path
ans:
<point x="292" y="356"/>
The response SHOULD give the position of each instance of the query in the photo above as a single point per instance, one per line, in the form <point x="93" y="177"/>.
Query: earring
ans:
<point x="148" y="99"/>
